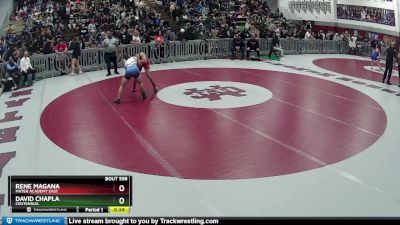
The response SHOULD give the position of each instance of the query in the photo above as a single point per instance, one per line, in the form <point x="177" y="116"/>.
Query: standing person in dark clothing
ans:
<point x="275" y="46"/>
<point x="47" y="48"/>
<point x="390" y="55"/>
<point x="181" y="36"/>
<point x="263" y="33"/>
<point x="169" y="36"/>
<point x="83" y="31"/>
<point x="223" y="33"/>
<point x="147" y="38"/>
<point x="245" y="34"/>
<point x="125" y="37"/>
<point x="110" y="44"/>
<point x="34" y="47"/>
<point x="75" y="48"/>
<point x="253" y="46"/>
<point x="373" y="44"/>
<point x="237" y="45"/>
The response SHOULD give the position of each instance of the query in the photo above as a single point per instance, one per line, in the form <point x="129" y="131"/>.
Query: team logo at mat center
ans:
<point x="214" y="94"/>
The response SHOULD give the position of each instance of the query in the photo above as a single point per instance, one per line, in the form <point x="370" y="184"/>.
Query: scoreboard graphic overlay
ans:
<point x="74" y="194"/>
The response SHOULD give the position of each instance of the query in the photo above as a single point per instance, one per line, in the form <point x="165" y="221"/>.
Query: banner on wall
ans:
<point x="315" y="10"/>
<point x="373" y="35"/>
<point x="312" y="6"/>
<point x="366" y="14"/>
<point x="388" y="39"/>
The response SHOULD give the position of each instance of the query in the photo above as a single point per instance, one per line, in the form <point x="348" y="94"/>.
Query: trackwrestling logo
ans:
<point x="33" y="220"/>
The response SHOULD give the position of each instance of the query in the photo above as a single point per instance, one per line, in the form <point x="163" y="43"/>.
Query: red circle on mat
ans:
<point x="309" y="123"/>
<point x="355" y="68"/>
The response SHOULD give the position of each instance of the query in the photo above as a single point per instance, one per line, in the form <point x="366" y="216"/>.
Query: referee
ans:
<point x="391" y="54"/>
<point x="110" y="44"/>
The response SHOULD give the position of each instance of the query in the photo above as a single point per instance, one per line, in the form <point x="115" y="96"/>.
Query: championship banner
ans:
<point x="291" y="6"/>
<point x="388" y="39"/>
<point x="303" y="6"/>
<point x="310" y="6"/>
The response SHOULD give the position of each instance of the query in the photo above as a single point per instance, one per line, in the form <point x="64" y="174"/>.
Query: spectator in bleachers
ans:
<point x="159" y="39"/>
<point x="12" y="68"/>
<point x="253" y="46"/>
<point x="181" y="35"/>
<point x="245" y="34"/>
<point x="231" y="32"/>
<point x="237" y="45"/>
<point x="336" y="37"/>
<point x="309" y="25"/>
<point x="169" y="36"/>
<point x="275" y="46"/>
<point x="308" y="35"/>
<point x="83" y="31"/>
<point x="92" y="27"/>
<point x="27" y="68"/>
<point x="125" y="37"/>
<point x="353" y="44"/>
<point x="33" y="46"/>
<point x="136" y="37"/>
<point x="9" y="29"/>
<point x="7" y="84"/>
<point x="47" y="47"/>
<point x="13" y="40"/>
<point x="92" y="43"/>
<point x="320" y="35"/>
<point x="329" y="35"/>
<point x="3" y="49"/>
<point x="61" y="50"/>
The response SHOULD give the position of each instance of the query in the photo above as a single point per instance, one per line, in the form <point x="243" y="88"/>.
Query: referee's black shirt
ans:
<point x="390" y="54"/>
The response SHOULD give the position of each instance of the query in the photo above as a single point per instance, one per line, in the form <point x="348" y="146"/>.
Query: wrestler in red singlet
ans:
<point x="146" y="65"/>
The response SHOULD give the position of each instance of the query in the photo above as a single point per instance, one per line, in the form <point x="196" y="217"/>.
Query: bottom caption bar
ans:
<point x="171" y="220"/>
<point x="104" y="220"/>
